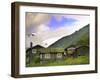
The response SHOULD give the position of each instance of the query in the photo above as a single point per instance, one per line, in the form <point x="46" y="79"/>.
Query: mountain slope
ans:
<point x="75" y="38"/>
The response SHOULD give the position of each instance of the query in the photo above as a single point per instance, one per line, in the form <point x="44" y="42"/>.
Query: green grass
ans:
<point x="67" y="61"/>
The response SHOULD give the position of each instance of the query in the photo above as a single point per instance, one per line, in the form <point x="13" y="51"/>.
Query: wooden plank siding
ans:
<point x="51" y="56"/>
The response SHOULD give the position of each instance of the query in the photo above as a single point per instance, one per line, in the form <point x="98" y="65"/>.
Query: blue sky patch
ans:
<point x="54" y="23"/>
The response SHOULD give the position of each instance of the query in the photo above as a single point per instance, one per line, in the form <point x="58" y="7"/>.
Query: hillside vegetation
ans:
<point x="80" y="37"/>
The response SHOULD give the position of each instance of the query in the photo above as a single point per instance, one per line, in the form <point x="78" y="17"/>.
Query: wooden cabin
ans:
<point x="45" y="53"/>
<point x="33" y="50"/>
<point x="32" y="53"/>
<point x="77" y="50"/>
<point x="71" y="50"/>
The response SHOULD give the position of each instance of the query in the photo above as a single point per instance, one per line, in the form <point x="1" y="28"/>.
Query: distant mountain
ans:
<point x="78" y="37"/>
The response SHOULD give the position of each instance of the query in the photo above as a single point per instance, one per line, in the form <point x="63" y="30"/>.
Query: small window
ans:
<point x="33" y="51"/>
<point x="47" y="56"/>
<point x="59" y="55"/>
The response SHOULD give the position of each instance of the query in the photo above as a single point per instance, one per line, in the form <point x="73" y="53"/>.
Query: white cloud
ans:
<point x="41" y="28"/>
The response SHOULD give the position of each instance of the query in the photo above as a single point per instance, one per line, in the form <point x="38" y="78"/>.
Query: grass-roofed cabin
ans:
<point x="32" y="53"/>
<point x="40" y="53"/>
<point x="33" y="50"/>
<point x="75" y="50"/>
<point x="71" y="50"/>
<point x="51" y="53"/>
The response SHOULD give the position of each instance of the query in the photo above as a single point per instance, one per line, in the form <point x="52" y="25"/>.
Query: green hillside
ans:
<point x="80" y="37"/>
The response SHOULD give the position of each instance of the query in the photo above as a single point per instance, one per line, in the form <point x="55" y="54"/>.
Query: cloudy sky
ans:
<point x="48" y="28"/>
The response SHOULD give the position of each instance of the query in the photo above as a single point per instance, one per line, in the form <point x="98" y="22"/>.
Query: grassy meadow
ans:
<point x="66" y="61"/>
